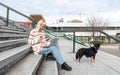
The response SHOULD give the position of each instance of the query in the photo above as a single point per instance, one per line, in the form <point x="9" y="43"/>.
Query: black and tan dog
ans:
<point x="88" y="52"/>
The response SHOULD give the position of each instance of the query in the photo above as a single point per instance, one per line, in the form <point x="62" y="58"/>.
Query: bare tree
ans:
<point x="96" y="23"/>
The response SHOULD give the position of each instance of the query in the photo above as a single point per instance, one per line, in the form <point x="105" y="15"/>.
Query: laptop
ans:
<point x="52" y="41"/>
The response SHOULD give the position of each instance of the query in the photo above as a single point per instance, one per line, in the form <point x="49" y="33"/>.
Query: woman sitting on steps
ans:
<point x="37" y="40"/>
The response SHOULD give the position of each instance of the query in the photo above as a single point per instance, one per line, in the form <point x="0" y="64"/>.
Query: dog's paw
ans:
<point x="94" y="61"/>
<point x="80" y="62"/>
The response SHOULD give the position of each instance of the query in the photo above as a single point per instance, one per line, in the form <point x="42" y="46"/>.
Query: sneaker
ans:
<point x="50" y="56"/>
<point x="66" y="67"/>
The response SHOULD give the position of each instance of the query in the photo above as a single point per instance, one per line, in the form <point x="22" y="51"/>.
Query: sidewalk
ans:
<point x="106" y="64"/>
<point x="111" y="48"/>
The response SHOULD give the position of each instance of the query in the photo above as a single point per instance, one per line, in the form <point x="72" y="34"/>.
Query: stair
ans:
<point x="16" y="59"/>
<point x="48" y="68"/>
<point x="10" y="57"/>
<point x="15" y="54"/>
<point x="9" y="44"/>
<point x="27" y="66"/>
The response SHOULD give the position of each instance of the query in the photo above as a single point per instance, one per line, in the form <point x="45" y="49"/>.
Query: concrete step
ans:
<point x="27" y="66"/>
<point x="48" y="68"/>
<point x="9" y="57"/>
<point x="6" y="30"/>
<point x="4" y="33"/>
<point x="9" y="44"/>
<point x="8" y="35"/>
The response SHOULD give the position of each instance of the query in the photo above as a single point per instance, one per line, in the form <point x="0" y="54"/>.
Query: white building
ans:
<point x="81" y="29"/>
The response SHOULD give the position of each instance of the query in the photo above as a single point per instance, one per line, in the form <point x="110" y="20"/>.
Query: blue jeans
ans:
<point x="55" y="51"/>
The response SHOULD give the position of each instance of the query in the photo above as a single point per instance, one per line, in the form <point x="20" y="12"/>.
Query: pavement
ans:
<point x="106" y="64"/>
<point x="113" y="49"/>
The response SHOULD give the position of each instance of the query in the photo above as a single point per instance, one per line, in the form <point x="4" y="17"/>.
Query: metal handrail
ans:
<point x="109" y="36"/>
<point x="35" y="22"/>
<point x="9" y="8"/>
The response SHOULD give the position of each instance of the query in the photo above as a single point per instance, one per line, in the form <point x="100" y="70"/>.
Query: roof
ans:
<point x="74" y="25"/>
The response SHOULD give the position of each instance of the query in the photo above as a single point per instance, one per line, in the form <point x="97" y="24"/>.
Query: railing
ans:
<point x="49" y="28"/>
<point x="80" y="30"/>
<point x="109" y="36"/>
<point x="70" y="37"/>
<point x="7" y="14"/>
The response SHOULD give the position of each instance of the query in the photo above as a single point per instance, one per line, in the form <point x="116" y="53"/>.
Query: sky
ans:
<point x="66" y="9"/>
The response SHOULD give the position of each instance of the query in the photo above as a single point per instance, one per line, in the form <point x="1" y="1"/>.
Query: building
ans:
<point x="85" y="33"/>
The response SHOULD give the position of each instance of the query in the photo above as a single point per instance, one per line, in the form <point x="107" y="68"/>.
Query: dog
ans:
<point x="88" y="52"/>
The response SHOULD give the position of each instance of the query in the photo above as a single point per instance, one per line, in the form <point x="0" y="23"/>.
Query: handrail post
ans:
<point x="73" y="42"/>
<point x="7" y="17"/>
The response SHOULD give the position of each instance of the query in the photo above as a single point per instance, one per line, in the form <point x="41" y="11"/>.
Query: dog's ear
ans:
<point x="99" y="44"/>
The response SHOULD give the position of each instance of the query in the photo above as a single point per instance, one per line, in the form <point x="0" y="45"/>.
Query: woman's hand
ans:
<point x="40" y="39"/>
<point x="48" y="43"/>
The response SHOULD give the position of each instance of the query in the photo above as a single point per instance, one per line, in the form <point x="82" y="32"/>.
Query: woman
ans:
<point x="37" y="40"/>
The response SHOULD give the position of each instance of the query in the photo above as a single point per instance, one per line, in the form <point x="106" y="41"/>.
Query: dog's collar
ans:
<point x="95" y="47"/>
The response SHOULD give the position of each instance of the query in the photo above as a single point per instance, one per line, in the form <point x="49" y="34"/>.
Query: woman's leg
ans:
<point x="54" y="50"/>
<point x="56" y="45"/>
<point x="55" y="53"/>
